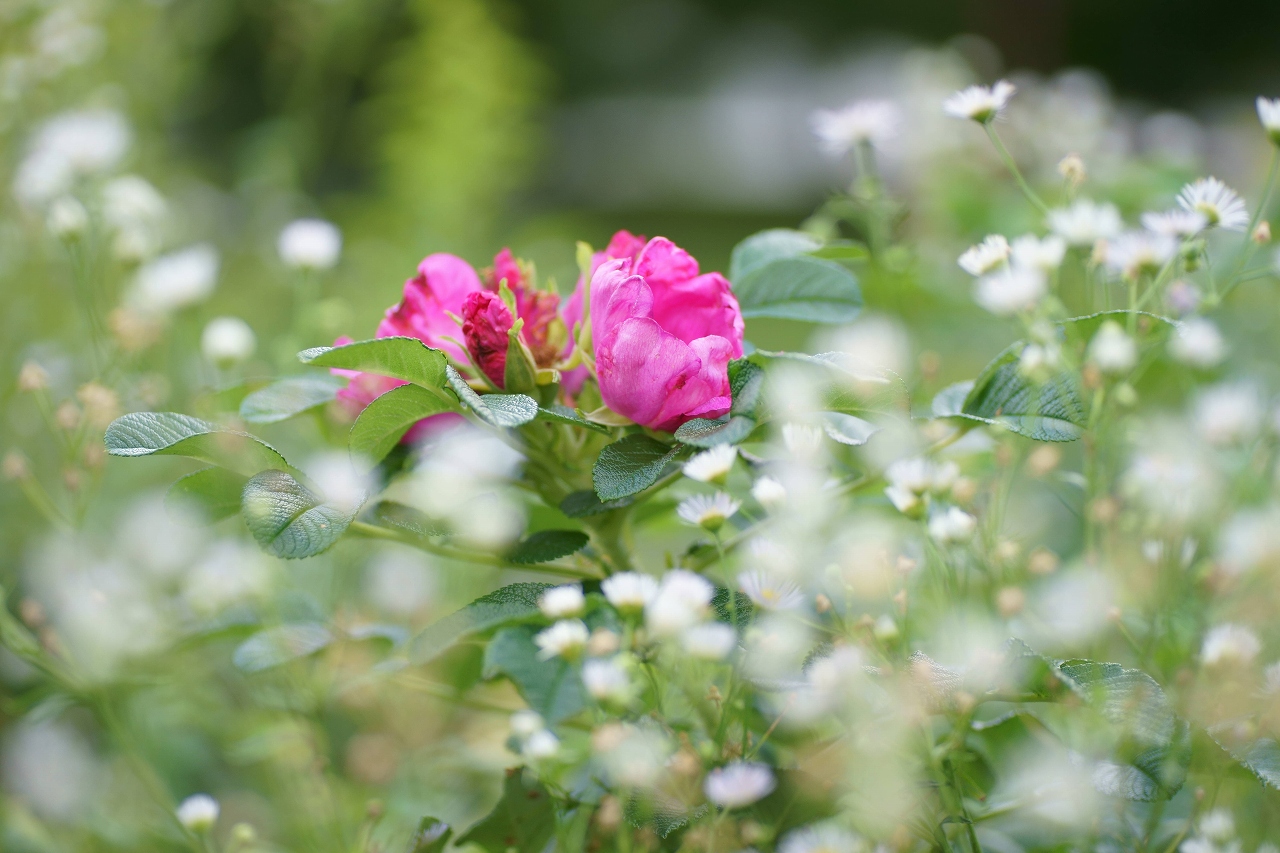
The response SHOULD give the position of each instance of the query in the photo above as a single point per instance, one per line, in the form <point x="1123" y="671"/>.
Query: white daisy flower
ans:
<point x="802" y="440"/>
<point x="1137" y="252"/>
<point x="711" y="465"/>
<point x="738" y="784"/>
<point x="1044" y="254"/>
<point x="770" y="592"/>
<point x="681" y="602"/>
<point x="1229" y="644"/>
<point x="1198" y="342"/>
<point x="1010" y="290"/>
<point x="227" y="340"/>
<point x="606" y="681"/>
<point x="629" y="591"/>
<point x="952" y="525"/>
<point x="981" y="259"/>
<point x="708" y="511"/>
<point x="873" y="121"/>
<point x="821" y="838"/>
<point x="982" y="104"/>
<point x="1269" y="115"/>
<point x="198" y="813"/>
<point x="561" y="601"/>
<point x="541" y="744"/>
<point x="1085" y="222"/>
<point x="1112" y="350"/>
<point x="1175" y="223"/>
<point x="1220" y="204"/>
<point x="566" y="638"/>
<point x="310" y="244"/>
<point x="709" y="641"/>
<point x="770" y="493"/>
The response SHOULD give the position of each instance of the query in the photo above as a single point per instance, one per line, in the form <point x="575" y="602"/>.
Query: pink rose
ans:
<point x="664" y="334"/>
<point x="485" y="324"/>
<point x="624" y="244"/>
<point x="442" y="284"/>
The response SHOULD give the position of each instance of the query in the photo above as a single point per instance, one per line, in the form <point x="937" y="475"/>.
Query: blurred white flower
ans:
<point x="67" y="218"/>
<point x="1269" y="115"/>
<point x="1085" y="222"/>
<point x="1011" y="290"/>
<point x="1171" y="475"/>
<point x="776" y="646"/>
<point x="1039" y="253"/>
<point x="821" y="838"/>
<point x="709" y="641"/>
<point x="1197" y="342"/>
<point x="64" y="40"/>
<point x="682" y="600"/>
<point x="770" y="493"/>
<point x="1071" y="609"/>
<point x="227" y="340"/>
<point x="1175" y="223"/>
<point x="463" y="477"/>
<point x="633" y="756"/>
<point x="67" y="147"/>
<point x="1250" y="539"/>
<point x="708" y="511"/>
<point x="1182" y="297"/>
<point x="137" y="212"/>
<point x="1229" y="644"/>
<point x="540" y="745"/>
<point x="629" y="591"/>
<point x="525" y="723"/>
<point x="566" y="638"/>
<point x="952" y="525"/>
<point x="51" y="768"/>
<point x="176" y="280"/>
<point x="228" y="573"/>
<point x="606" y="681"/>
<point x="980" y="103"/>
<point x="711" y="465"/>
<point x="339" y="482"/>
<point x="803" y="442"/>
<point x="198" y="813"/>
<point x="874" y="121"/>
<point x="561" y="601"/>
<point x="312" y="244"/>
<point x="1112" y="350"/>
<point x="1229" y="413"/>
<point x="875" y="344"/>
<point x="1220" y="204"/>
<point x="1217" y="825"/>
<point x="1137" y="252"/>
<point x="738" y="784"/>
<point x="986" y="256"/>
<point x="769" y="591"/>
<point x="400" y="582"/>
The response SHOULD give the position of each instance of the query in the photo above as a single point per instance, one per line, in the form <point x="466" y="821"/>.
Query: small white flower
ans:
<point x="1182" y="297"/>
<point x="566" y="638"/>
<point x="526" y="722"/>
<point x="541" y="744"/>
<point x="802" y="441"/>
<point x="629" y="591"/>
<point x="561" y="601"/>
<point x="311" y="244"/>
<point x="1229" y="413"/>
<point x="709" y="641"/>
<point x="1218" y="825"/>
<point x="862" y="121"/>
<point x="770" y="493"/>
<point x="1085" y="222"/>
<point x="606" y="681"/>
<point x="711" y="465"/>
<point x="708" y="511"/>
<point x="738" y="784"/>
<point x="1010" y="291"/>
<point x="1269" y="115"/>
<point x="1175" y="223"/>
<point x="1198" y="342"/>
<point x="821" y="838"/>
<point x="198" y="813"/>
<point x="1038" y="357"/>
<point x="1229" y="644"/>
<point x="176" y="280"/>
<point x="129" y="201"/>
<point x="1112" y="350"/>
<point x="769" y="592"/>
<point x="986" y="256"/>
<point x="980" y="103"/>
<point x="67" y="218"/>
<point x="952" y="525"/>
<point x="682" y="601"/>
<point x="227" y="340"/>
<point x="903" y="500"/>
<point x="70" y="146"/>
<point x="1220" y="204"/>
<point x="1137" y="252"/>
<point x="1044" y="254"/>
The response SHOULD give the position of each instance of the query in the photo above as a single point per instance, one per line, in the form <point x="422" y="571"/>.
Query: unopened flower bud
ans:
<point x="198" y="813"/>
<point x="1072" y="170"/>
<point x="32" y="377"/>
<point x="1043" y="460"/>
<point x="1010" y="600"/>
<point x="1262" y="234"/>
<point x="243" y="834"/>
<point x="1042" y="562"/>
<point x="67" y="415"/>
<point x="15" y="466"/>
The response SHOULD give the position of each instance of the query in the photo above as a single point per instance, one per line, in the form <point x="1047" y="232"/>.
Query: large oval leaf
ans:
<point x="213" y="492"/>
<point x="552" y="687"/>
<point x="547" y="545"/>
<point x="289" y="397"/>
<point x="701" y="432"/>
<point x="499" y="410"/>
<point x="630" y="465"/>
<point x="398" y="357"/>
<point x="1003" y="395"/>
<point x="172" y="434"/>
<point x="385" y="421"/>
<point x="512" y="602"/>
<point x="287" y="519"/>
<point x="281" y="644"/>
<point x="765" y="246"/>
<point x="800" y="288"/>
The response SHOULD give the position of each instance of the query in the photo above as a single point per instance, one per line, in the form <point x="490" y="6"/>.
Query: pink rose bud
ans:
<point x="442" y="284"/>
<point x="485" y="324"/>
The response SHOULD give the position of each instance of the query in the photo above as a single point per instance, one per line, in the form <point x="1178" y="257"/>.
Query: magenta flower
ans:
<point x="663" y="333"/>
<point x="486" y="320"/>
<point x="442" y="284"/>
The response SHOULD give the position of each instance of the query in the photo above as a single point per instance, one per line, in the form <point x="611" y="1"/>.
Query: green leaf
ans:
<point x="949" y="402"/>
<point x="764" y="247"/>
<point x="214" y="492"/>
<point x="382" y="424"/>
<point x="498" y="410"/>
<point x="289" y="397"/>
<point x="566" y="415"/>
<point x="701" y="432"/>
<point x="551" y="687"/>
<point x="630" y="465"/>
<point x="1259" y="755"/>
<point x="800" y="288"/>
<point x="584" y="504"/>
<point x="1002" y="395"/>
<point x="431" y="836"/>
<point x="281" y="644"/>
<point x="287" y="519"/>
<point x="746" y="382"/>
<point x="843" y="250"/>
<point x="398" y="357"/>
<point x="172" y="434"/>
<point x="847" y="429"/>
<point x="523" y="820"/>
<point x="547" y="545"/>
<point x="392" y="514"/>
<point x="508" y="604"/>
<point x="520" y="373"/>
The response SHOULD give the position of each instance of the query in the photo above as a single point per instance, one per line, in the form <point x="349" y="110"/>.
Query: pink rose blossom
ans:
<point x="486" y="320"/>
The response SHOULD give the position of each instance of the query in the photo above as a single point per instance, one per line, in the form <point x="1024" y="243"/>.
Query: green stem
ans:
<point x="372" y="531"/>
<point x="1013" y="168"/>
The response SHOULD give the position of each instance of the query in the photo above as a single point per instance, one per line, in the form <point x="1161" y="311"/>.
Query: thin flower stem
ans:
<point x="1247" y="251"/>
<point x="1013" y="168"/>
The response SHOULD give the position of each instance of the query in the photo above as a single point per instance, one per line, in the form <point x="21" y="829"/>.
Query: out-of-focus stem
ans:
<point x="1013" y="168"/>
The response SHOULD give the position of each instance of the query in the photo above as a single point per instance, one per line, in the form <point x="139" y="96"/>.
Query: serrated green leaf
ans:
<point x="523" y="820"/>
<point x="382" y="423"/>
<point x="498" y="410"/>
<point x="287" y="520"/>
<point x="630" y="465"/>
<point x="547" y="545"/>
<point x="803" y="288"/>
<point x="431" y="836"/>
<point x="949" y="402"/>
<point x="566" y="415"/>
<point x="214" y="492"/>
<point x="585" y="503"/>
<point x="392" y="514"/>
<point x="746" y="383"/>
<point x="551" y="687"/>
<point x="172" y="434"/>
<point x="398" y="357"/>
<point x="281" y="644"/>
<point x="847" y="429"/>
<point x="1260" y="755"/>
<point x="289" y="397"/>
<point x="1003" y="395"/>
<point x="765" y="246"/>
<point x="701" y="432"/>
<point x="508" y="604"/>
